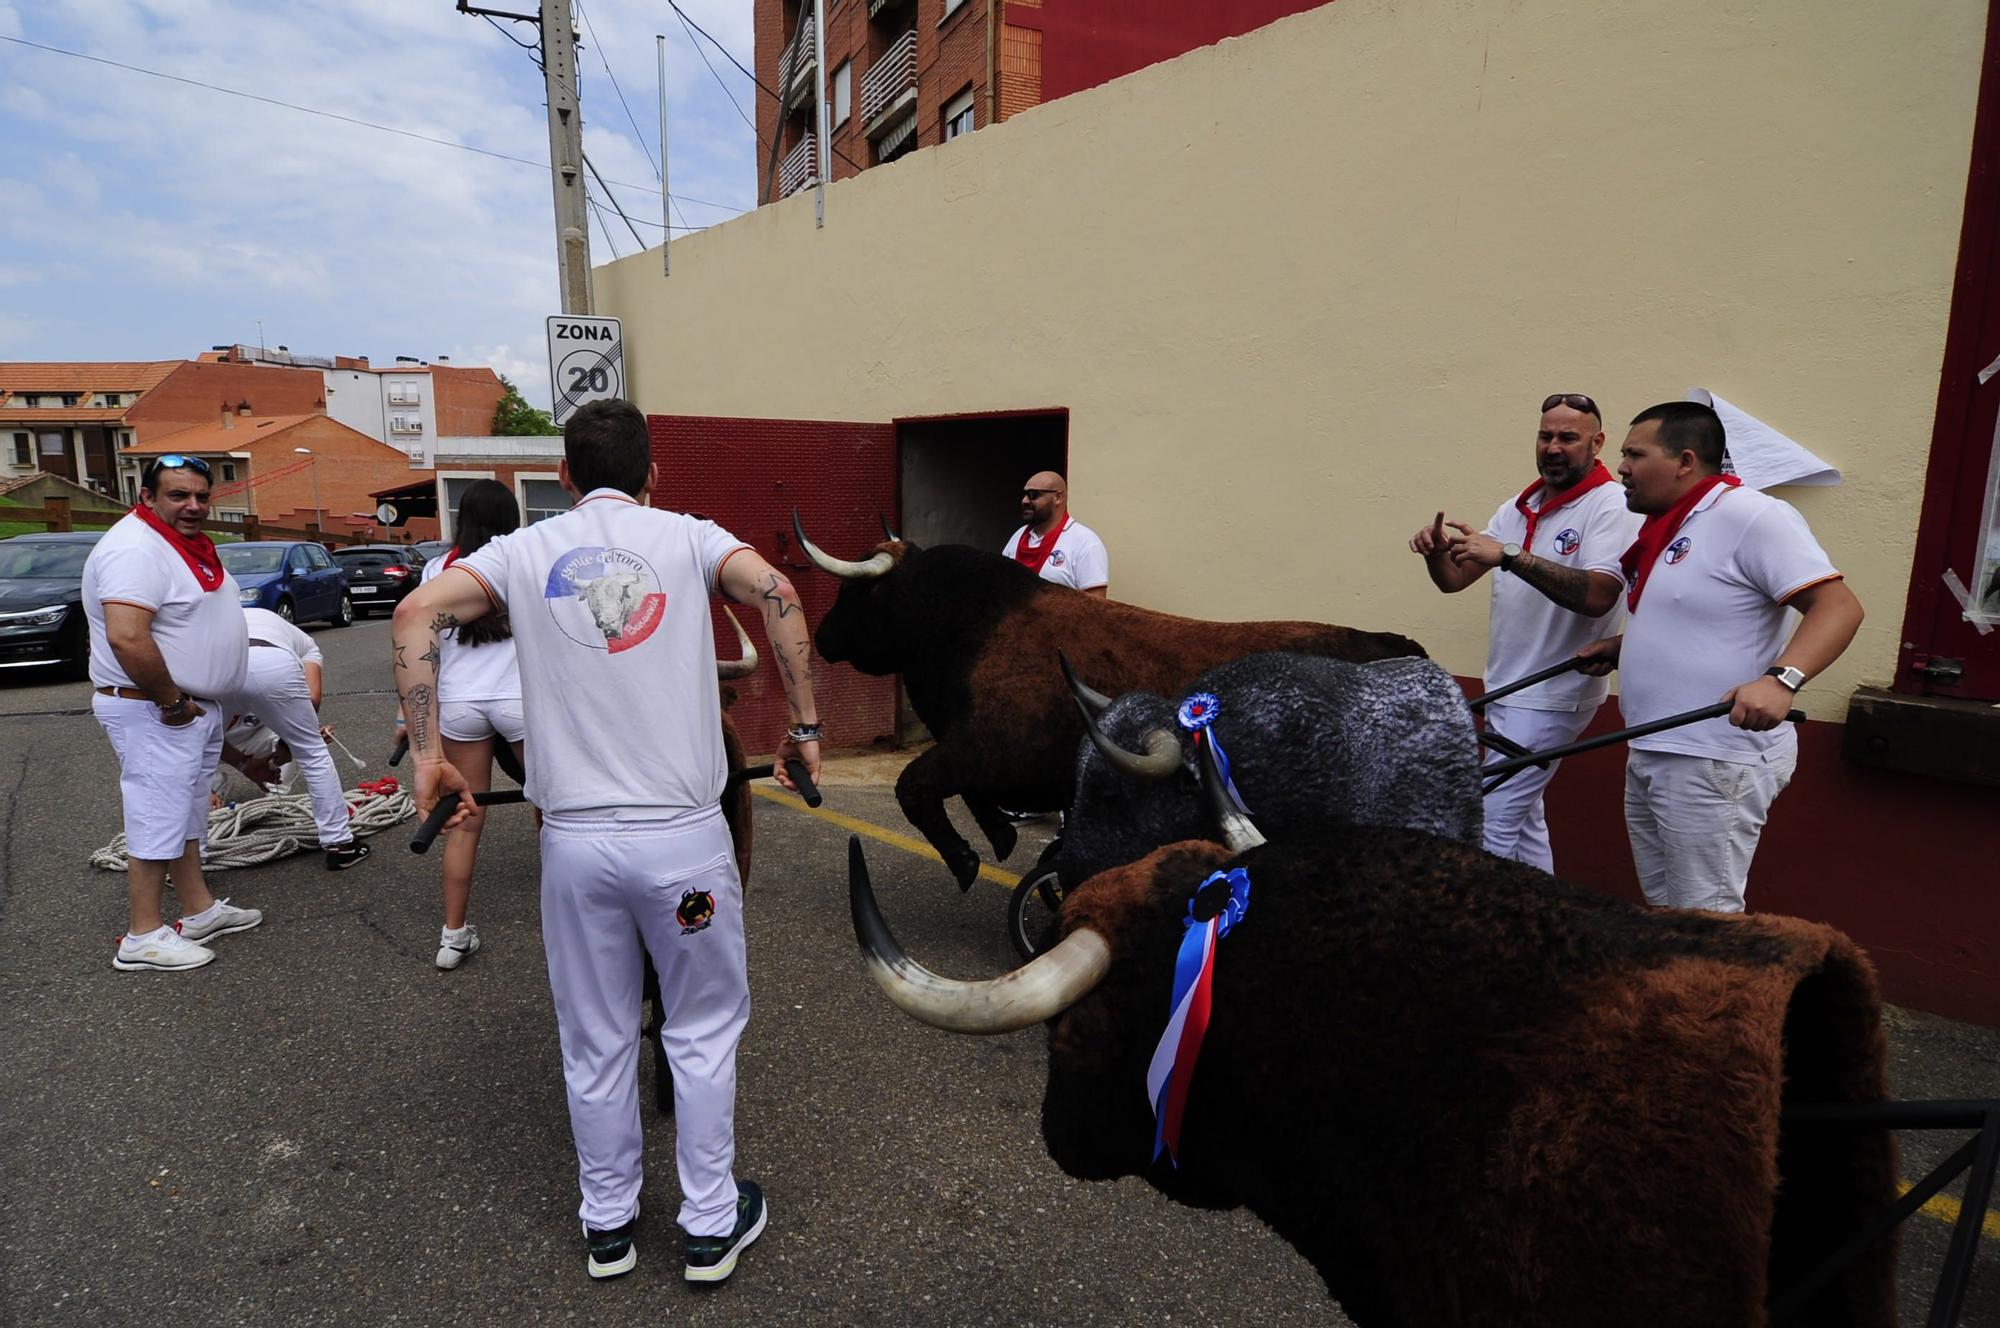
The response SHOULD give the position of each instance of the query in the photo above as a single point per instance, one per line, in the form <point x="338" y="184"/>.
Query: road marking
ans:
<point x="1941" y="1206"/>
<point x="876" y="832"/>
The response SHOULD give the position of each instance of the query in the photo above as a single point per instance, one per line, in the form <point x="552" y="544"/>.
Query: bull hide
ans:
<point x="1471" y="1094"/>
<point x="1310" y="740"/>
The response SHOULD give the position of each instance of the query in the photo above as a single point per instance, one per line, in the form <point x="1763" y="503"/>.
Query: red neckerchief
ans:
<point x="197" y="551"/>
<point x="450" y="557"/>
<point x="1597" y="475"/>
<point x="1033" y="558"/>
<point x="1639" y="561"/>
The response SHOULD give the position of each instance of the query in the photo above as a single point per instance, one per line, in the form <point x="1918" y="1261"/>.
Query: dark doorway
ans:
<point x="962" y="475"/>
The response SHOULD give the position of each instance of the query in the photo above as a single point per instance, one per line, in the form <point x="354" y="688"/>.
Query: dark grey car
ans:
<point x="41" y="601"/>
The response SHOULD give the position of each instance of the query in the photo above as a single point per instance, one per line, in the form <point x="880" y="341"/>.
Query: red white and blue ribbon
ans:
<point x="1172" y="1070"/>
<point x="1197" y="715"/>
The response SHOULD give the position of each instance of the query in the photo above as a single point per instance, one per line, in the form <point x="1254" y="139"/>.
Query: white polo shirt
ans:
<point x="1713" y="616"/>
<point x="200" y="633"/>
<point x="1079" y="559"/>
<point x="1528" y="631"/>
<point x="486" y="672"/>
<point x="609" y="604"/>
<point x="269" y="628"/>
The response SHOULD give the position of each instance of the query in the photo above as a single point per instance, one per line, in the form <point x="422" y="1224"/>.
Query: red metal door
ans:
<point x="746" y="476"/>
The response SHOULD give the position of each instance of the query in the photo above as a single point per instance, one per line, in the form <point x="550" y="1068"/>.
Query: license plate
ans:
<point x="362" y="590"/>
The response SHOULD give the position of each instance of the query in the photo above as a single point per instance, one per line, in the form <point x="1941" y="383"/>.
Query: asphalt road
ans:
<point x="320" y="1128"/>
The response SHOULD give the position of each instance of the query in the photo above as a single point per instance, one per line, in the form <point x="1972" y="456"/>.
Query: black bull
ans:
<point x="974" y="637"/>
<point x="1468" y="1093"/>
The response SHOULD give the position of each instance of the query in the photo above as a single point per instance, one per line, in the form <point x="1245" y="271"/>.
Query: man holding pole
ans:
<point x="1556" y="546"/>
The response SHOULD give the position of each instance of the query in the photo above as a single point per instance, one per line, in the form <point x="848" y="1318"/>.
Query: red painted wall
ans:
<point x="1087" y="42"/>
<point x="1901" y="863"/>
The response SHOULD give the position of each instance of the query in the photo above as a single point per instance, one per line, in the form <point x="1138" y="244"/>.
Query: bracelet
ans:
<point x="175" y="706"/>
<point x="803" y="733"/>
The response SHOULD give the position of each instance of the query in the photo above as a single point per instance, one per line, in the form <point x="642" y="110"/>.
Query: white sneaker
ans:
<point x="452" y="950"/>
<point x="221" y="921"/>
<point x="162" y="949"/>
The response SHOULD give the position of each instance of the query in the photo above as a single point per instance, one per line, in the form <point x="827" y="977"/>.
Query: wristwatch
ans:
<point x="175" y="706"/>
<point x="1792" y="678"/>
<point x="1508" y="553"/>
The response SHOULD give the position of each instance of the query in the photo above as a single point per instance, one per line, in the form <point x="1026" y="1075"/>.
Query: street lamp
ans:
<point x="318" y="518"/>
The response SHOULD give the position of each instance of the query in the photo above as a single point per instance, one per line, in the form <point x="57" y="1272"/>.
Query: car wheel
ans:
<point x="285" y="610"/>
<point x="344" y="615"/>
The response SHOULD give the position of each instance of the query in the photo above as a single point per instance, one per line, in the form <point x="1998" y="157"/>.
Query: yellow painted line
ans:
<point x="876" y="832"/>
<point x="1946" y="1209"/>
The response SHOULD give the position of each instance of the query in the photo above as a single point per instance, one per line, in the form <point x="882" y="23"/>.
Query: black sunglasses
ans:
<point x="1032" y="494"/>
<point x="173" y="461"/>
<point x="1575" y="401"/>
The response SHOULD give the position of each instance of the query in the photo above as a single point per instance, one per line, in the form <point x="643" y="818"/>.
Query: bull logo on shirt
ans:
<point x="1678" y="550"/>
<point x="1567" y="541"/>
<point x="697" y="910"/>
<point x="606" y="599"/>
<point x="1057" y="558"/>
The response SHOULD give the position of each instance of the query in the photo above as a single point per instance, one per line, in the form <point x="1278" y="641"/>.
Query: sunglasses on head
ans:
<point x="175" y="461"/>
<point x="1575" y="401"/>
<point x="1032" y="494"/>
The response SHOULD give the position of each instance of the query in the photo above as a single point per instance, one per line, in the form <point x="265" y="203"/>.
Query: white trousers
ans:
<point x="1516" y="824"/>
<point x="1695" y="822"/>
<point x="163" y="773"/>
<point x="608" y="887"/>
<point x="275" y="691"/>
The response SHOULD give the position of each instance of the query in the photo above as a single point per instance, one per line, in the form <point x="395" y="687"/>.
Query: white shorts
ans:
<point x="1695" y="822"/>
<point x="164" y="771"/>
<point x="471" y="721"/>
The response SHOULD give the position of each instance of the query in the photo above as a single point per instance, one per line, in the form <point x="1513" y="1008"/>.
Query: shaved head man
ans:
<point x="1055" y="545"/>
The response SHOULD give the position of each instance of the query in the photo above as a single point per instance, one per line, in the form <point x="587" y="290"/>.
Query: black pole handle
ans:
<point x="402" y="750"/>
<point x="1569" y="665"/>
<point x="807" y="789"/>
<point x="434" y="823"/>
<point x="1501" y="771"/>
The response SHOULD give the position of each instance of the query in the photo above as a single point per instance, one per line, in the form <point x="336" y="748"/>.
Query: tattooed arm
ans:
<point x="754" y="583"/>
<point x="454" y="596"/>
<point x="1592" y="594"/>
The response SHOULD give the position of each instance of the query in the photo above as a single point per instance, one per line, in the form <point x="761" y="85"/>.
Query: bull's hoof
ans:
<point x="1003" y="838"/>
<point x="964" y="868"/>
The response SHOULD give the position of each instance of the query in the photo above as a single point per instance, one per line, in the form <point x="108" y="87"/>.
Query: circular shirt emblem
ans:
<point x="1678" y="550"/>
<point x="606" y="599"/>
<point x="1057" y="557"/>
<point x="1567" y="541"/>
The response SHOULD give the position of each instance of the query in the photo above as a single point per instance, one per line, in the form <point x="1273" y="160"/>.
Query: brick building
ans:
<point x="905" y="74"/>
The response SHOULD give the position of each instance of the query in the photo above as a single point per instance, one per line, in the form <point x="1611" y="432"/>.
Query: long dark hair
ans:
<point x="487" y="509"/>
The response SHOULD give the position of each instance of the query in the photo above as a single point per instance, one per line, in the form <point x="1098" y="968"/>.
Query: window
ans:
<point x="454" y="493"/>
<point x="958" y="115"/>
<point x="843" y="92"/>
<point x="228" y="472"/>
<point x="69" y="398"/>
<point x="296" y="560"/>
<point x="950" y="7"/>
<point x="131" y="489"/>
<point x="24" y="450"/>
<point x="54" y="444"/>
<point x="318" y="557"/>
<point x="114" y="398"/>
<point x="541" y="499"/>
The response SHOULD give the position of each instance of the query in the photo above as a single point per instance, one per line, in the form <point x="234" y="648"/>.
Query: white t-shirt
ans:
<point x="1712" y="617"/>
<point x="1528" y="630"/>
<point x="1079" y="559"/>
<point x="609" y="604"/>
<point x="485" y="672"/>
<point x="200" y="633"/>
<point x="269" y="628"/>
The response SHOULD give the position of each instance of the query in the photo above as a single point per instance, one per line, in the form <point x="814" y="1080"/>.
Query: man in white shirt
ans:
<point x="1714" y="577"/>
<point x="1054" y="544"/>
<point x="167" y="640"/>
<point x="1557" y="547"/>
<point x="610" y="615"/>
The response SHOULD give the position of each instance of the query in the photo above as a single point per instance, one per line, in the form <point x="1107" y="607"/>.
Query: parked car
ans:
<point x="41" y="601"/>
<point x="295" y="579"/>
<point x="379" y="575"/>
<point x="432" y="548"/>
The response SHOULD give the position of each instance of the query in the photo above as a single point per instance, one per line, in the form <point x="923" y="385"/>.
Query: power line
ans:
<point x="603" y="227"/>
<point x="718" y="78"/>
<point x="747" y="74"/>
<point x="526" y="46"/>
<point x="541" y="166"/>
<point x="598" y="46"/>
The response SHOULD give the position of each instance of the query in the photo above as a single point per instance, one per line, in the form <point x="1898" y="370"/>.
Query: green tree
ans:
<point x="514" y="417"/>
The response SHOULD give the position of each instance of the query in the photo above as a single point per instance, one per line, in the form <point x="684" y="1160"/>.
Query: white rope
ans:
<point x="244" y="834"/>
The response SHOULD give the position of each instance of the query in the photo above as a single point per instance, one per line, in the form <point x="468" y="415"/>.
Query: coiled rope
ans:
<point x="244" y="834"/>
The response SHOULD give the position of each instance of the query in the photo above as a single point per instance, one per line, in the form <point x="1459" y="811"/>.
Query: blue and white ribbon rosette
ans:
<point x="1197" y="715"/>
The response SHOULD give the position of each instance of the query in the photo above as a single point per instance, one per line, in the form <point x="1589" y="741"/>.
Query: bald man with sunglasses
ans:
<point x="1556" y="548"/>
<point x="167" y="641"/>
<point x="1055" y="545"/>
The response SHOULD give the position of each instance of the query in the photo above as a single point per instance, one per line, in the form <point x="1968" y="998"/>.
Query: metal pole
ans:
<point x="319" y="516"/>
<point x="666" y="217"/>
<point x="825" y="112"/>
<point x="566" y="156"/>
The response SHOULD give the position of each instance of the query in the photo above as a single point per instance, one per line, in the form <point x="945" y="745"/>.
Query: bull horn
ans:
<point x="1239" y="832"/>
<point x="1030" y="995"/>
<point x="1093" y="702"/>
<point x="1159" y="761"/>
<point x="745" y="666"/>
<point x="878" y="565"/>
<point x="888" y="532"/>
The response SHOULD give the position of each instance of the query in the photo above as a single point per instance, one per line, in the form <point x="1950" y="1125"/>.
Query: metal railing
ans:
<point x="796" y="63"/>
<point x="893" y="73"/>
<point x="800" y="167"/>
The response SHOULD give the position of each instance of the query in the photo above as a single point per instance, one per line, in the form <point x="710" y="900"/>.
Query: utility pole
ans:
<point x="566" y="156"/>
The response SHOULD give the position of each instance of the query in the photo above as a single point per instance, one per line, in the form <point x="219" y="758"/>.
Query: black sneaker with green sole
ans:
<point x="612" y="1253"/>
<point x="713" y="1258"/>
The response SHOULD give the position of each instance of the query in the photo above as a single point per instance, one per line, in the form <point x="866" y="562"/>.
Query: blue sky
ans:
<point x="148" y="219"/>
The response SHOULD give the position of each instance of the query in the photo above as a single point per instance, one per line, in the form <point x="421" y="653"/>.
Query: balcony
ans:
<point x="797" y="71"/>
<point x="800" y="167"/>
<point x="890" y="86"/>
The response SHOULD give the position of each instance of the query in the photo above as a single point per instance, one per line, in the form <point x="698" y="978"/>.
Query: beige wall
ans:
<point x="1301" y="289"/>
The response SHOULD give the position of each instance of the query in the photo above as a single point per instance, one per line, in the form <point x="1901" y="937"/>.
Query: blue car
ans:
<point x="297" y="580"/>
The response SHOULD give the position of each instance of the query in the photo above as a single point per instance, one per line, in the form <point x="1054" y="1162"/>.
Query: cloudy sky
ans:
<point x="151" y="219"/>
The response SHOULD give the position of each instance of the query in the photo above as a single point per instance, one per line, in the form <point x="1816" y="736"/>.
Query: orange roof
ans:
<point x="84" y="375"/>
<point x="212" y="437"/>
<point x="60" y="415"/>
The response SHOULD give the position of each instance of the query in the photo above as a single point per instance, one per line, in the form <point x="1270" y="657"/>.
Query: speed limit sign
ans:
<point x="586" y="361"/>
